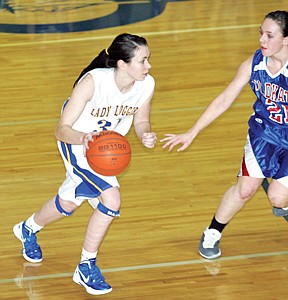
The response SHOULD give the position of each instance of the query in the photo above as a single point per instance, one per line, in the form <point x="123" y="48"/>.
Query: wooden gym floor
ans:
<point x="151" y="251"/>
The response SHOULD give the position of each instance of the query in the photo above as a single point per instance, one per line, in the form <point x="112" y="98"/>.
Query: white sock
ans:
<point x="32" y="224"/>
<point x="85" y="255"/>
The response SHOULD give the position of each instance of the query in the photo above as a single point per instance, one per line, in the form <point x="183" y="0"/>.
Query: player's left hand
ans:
<point x="149" y="139"/>
<point x="171" y="140"/>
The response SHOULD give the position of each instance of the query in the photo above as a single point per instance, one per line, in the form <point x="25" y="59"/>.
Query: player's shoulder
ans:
<point x="249" y="64"/>
<point x="258" y="55"/>
<point x="98" y="72"/>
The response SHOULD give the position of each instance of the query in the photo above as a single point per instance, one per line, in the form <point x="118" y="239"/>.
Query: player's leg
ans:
<point x="87" y="273"/>
<point x="257" y="160"/>
<point x="26" y="231"/>
<point x="232" y="202"/>
<point x="277" y="190"/>
<point x="236" y="197"/>
<point x="278" y="195"/>
<point x="54" y="210"/>
<point x="100" y="220"/>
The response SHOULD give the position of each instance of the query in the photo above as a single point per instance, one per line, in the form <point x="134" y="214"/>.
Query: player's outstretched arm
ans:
<point x="216" y="108"/>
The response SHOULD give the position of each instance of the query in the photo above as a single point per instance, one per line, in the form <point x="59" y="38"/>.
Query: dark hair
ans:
<point x="123" y="47"/>
<point x="281" y="18"/>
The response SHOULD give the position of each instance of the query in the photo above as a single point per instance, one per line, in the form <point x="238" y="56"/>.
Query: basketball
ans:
<point x="109" y="154"/>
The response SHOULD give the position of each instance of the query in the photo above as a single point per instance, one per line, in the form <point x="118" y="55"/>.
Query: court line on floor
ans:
<point x="155" y="33"/>
<point x="152" y="266"/>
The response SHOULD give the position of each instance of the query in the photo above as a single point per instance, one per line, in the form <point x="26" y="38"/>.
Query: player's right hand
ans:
<point x="88" y="138"/>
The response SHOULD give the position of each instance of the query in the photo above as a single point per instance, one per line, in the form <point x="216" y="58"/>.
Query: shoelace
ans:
<point x="96" y="275"/>
<point x="93" y="271"/>
<point x="31" y="241"/>
<point x="209" y="240"/>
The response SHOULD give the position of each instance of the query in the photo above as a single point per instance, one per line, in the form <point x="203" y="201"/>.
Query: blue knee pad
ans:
<point x="60" y="208"/>
<point x="107" y="211"/>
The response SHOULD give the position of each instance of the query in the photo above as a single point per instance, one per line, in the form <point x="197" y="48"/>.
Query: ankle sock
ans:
<point x="216" y="225"/>
<point x="32" y="224"/>
<point x="85" y="255"/>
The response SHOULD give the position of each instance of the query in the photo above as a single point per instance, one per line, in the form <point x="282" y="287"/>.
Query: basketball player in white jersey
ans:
<point x="114" y="90"/>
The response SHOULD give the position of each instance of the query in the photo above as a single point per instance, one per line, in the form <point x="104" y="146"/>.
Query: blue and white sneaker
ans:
<point x="31" y="250"/>
<point x="89" y="276"/>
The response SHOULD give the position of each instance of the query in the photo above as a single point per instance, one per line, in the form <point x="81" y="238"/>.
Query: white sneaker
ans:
<point x="209" y="244"/>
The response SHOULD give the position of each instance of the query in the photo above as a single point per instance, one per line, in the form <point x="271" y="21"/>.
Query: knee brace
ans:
<point x="60" y="208"/>
<point x="107" y="211"/>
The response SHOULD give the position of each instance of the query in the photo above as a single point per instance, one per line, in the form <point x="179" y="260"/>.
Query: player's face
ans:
<point x="139" y="66"/>
<point x="271" y="38"/>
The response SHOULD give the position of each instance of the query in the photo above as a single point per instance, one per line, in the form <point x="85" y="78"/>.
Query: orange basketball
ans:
<point x="109" y="154"/>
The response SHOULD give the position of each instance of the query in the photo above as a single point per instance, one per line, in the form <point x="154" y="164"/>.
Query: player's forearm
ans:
<point x="68" y="135"/>
<point x="212" y="112"/>
<point x="142" y="127"/>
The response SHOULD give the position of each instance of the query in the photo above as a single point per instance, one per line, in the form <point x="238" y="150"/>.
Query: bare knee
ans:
<point x="111" y="198"/>
<point x="277" y="194"/>
<point x="68" y="206"/>
<point x="276" y="199"/>
<point x="246" y="187"/>
<point x="245" y="194"/>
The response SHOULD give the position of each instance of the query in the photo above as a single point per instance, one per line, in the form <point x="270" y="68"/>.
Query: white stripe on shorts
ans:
<point x="251" y="163"/>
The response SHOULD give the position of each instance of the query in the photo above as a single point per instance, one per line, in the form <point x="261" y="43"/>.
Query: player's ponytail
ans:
<point x="97" y="62"/>
<point x="123" y="48"/>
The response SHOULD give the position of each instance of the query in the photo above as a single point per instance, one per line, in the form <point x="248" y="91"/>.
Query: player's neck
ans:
<point x="277" y="62"/>
<point x="123" y="83"/>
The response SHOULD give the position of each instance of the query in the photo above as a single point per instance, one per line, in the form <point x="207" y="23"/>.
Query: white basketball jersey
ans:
<point x="110" y="109"/>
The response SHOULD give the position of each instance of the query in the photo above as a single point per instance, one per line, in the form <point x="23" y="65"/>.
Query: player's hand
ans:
<point x="88" y="137"/>
<point x="171" y="140"/>
<point x="149" y="139"/>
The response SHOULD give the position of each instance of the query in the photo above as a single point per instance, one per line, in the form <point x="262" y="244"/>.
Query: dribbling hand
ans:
<point x="88" y="137"/>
